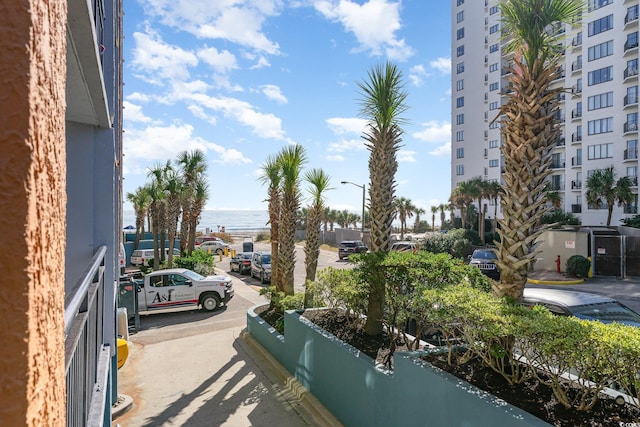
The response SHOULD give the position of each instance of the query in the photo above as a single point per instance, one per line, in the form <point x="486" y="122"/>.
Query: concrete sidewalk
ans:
<point x="192" y="368"/>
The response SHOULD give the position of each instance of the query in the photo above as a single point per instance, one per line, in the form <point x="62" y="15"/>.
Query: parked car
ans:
<point x="261" y="266"/>
<point x="201" y="239"/>
<point x="144" y="257"/>
<point x="241" y="262"/>
<point x="349" y="247"/>
<point x="214" y="246"/>
<point x="485" y="260"/>
<point x="404" y="246"/>
<point x="583" y="305"/>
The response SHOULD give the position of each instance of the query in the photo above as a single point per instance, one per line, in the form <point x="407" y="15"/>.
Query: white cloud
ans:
<point x="239" y="22"/>
<point x="434" y="132"/>
<point x="441" y="64"/>
<point x="137" y="96"/>
<point x="221" y="61"/>
<point x="335" y="158"/>
<point x="346" y="145"/>
<point x="159" y="143"/>
<point x="442" y="151"/>
<point x="273" y="93"/>
<point x="159" y="61"/>
<point x="373" y="23"/>
<point x="261" y="63"/>
<point x="133" y="113"/>
<point x="406" y="156"/>
<point x="263" y="125"/>
<point x="416" y="74"/>
<point x="345" y="125"/>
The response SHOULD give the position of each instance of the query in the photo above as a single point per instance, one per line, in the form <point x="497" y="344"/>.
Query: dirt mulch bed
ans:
<point x="531" y="396"/>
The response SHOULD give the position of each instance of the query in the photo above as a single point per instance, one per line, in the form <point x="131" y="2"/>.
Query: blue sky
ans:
<point x="240" y="79"/>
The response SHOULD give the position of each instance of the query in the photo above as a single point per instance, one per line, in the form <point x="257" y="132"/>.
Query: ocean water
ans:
<point x="214" y="220"/>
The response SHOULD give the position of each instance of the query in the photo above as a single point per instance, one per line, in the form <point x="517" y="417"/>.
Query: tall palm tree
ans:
<point x="529" y="128"/>
<point x="159" y="174"/>
<point x="272" y="177"/>
<point x="602" y="184"/>
<point x="493" y="192"/>
<point x="461" y="198"/>
<point x="382" y="105"/>
<point x="156" y="195"/>
<point x="319" y="183"/>
<point x="443" y="207"/>
<point x="291" y="160"/>
<point x="173" y="190"/>
<point x="416" y="225"/>
<point x="434" y="211"/>
<point x="140" y="200"/>
<point x="199" y="201"/>
<point x="404" y="210"/>
<point x="192" y="165"/>
<point x="478" y="190"/>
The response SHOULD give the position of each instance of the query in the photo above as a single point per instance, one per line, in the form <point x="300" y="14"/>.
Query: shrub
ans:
<point x="199" y="261"/>
<point x="456" y="242"/>
<point x="578" y="266"/>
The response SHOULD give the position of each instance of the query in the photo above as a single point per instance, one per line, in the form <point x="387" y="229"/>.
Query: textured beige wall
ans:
<point x="32" y="206"/>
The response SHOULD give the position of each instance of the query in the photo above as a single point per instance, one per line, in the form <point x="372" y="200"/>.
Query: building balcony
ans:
<point x="560" y="74"/>
<point x="576" y="90"/>
<point x="576" y="66"/>
<point x="630" y="154"/>
<point x="576" y="185"/>
<point x="630" y="45"/>
<point x="630" y="72"/>
<point x="634" y="180"/>
<point x="576" y="137"/>
<point x="577" y="41"/>
<point x="555" y="186"/>
<point x="560" y="164"/>
<point x="631" y="16"/>
<point x="561" y="97"/>
<point x="630" y="209"/>
<point x="560" y="142"/>
<point x="576" y="114"/>
<point x="630" y="127"/>
<point x="576" y="161"/>
<point x="631" y="100"/>
<point x="576" y="209"/>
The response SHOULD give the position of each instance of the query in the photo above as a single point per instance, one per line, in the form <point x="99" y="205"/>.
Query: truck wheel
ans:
<point x="210" y="302"/>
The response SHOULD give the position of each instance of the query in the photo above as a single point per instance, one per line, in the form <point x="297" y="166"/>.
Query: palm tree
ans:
<point x="199" y="201"/>
<point x="529" y="128"/>
<point x="461" y="198"/>
<point x="478" y="190"/>
<point x="434" y="211"/>
<point x="319" y="184"/>
<point x="192" y="165"/>
<point x="602" y="184"/>
<point x="140" y="201"/>
<point x="173" y="190"/>
<point x="404" y="210"/>
<point x="382" y="104"/>
<point x="291" y="160"/>
<point x="272" y="176"/>
<point x="416" y="225"/>
<point x="156" y="195"/>
<point x="443" y="207"/>
<point x="159" y="175"/>
<point x="493" y="192"/>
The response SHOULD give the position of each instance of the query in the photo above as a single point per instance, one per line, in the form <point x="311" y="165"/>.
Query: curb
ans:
<point x="313" y="408"/>
<point x="555" y="282"/>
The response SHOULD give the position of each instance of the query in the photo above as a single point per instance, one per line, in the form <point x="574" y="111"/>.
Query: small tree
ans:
<point x="603" y="189"/>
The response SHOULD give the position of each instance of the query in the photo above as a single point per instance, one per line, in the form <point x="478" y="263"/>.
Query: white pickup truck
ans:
<point x="179" y="287"/>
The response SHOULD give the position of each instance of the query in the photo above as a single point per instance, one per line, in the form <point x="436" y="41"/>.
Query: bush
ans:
<point x="578" y="266"/>
<point x="200" y="261"/>
<point x="457" y="243"/>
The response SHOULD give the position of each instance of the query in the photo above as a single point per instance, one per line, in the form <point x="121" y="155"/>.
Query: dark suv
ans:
<point x="485" y="260"/>
<point x="348" y="247"/>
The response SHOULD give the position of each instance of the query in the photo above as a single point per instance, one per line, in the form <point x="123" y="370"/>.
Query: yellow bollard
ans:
<point x="220" y="256"/>
<point x="590" y="273"/>
<point x="226" y="251"/>
<point x="233" y="253"/>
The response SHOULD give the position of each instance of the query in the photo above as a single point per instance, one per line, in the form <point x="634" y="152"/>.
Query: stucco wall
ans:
<point x="32" y="224"/>
<point x="565" y="243"/>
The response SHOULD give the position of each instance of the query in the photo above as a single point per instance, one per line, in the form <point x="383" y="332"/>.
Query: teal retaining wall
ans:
<point x="359" y="393"/>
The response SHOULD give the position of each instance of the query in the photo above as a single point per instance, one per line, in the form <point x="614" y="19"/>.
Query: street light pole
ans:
<point x="363" y="186"/>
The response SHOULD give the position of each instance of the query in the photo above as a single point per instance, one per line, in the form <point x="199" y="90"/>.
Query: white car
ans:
<point x="144" y="257"/>
<point x="214" y="246"/>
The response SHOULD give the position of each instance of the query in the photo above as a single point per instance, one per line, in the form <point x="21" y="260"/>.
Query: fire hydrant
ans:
<point x="558" y="263"/>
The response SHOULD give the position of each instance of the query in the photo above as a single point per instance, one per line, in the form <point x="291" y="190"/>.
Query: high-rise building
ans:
<point x="598" y="112"/>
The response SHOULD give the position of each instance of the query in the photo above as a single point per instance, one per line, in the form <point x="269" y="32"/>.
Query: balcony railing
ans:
<point x="576" y="114"/>
<point x="558" y="164"/>
<point x="630" y="99"/>
<point x="576" y="161"/>
<point x="630" y="72"/>
<point x="577" y="41"/>
<point x="576" y="209"/>
<point x="87" y="358"/>
<point x="576" y="65"/>
<point x="630" y="44"/>
<point x="556" y="186"/>
<point x="560" y="142"/>
<point x="632" y="15"/>
<point x="576" y="90"/>
<point x="576" y="185"/>
<point x="634" y="180"/>
<point x="576" y="137"/>
<point x="631" y="127"/>
<point x="630" y="153"/>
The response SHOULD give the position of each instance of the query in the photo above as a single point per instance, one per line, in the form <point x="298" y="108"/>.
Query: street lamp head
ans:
<point x="343" y="182"/>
